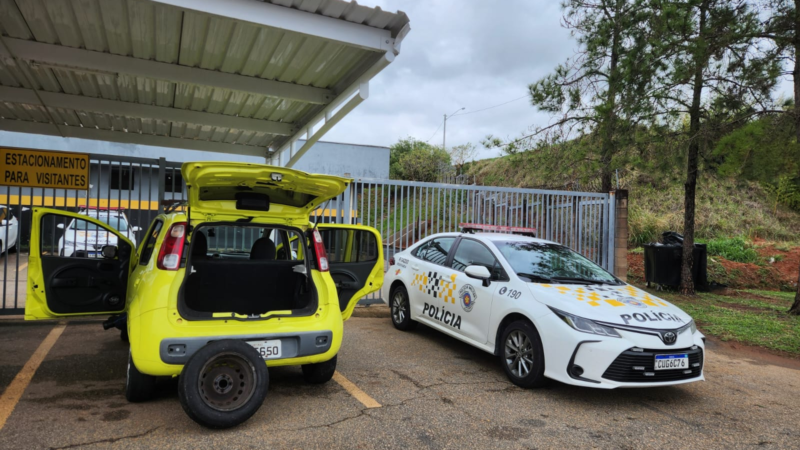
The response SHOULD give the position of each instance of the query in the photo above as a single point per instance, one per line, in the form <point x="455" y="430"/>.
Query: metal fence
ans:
<point x="405" y="212"/>
<point x="137" y="187"/>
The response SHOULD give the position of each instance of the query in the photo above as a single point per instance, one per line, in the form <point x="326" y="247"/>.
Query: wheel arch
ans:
<point x="395" y="284"/>
<point x="508" y="319"/>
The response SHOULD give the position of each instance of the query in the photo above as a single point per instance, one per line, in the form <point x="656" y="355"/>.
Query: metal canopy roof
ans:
<point x="235" y="76"/>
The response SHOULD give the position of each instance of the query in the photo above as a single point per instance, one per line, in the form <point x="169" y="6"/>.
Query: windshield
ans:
<point x="543" y="262"/>
<point x="116" y="222"/>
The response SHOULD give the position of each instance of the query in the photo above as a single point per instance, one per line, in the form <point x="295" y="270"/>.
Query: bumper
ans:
<point x="583" y="359"/>
<point x="293" y="345"/>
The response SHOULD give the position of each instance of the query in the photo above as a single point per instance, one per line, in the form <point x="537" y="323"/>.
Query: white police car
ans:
<point x="545" y="310"/>
<point x="84" y="239"/>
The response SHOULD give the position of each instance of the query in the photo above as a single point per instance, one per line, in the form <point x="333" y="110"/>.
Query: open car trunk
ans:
<point x="246" y="271"/>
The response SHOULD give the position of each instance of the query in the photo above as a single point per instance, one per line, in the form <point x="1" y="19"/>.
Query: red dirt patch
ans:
<point x="741" y="275"/>
<point x="787" y="267"/>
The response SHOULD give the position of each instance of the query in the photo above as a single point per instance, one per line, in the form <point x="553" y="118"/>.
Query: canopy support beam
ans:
<point x="76" y="58"/>
<point x="128" y="109"/>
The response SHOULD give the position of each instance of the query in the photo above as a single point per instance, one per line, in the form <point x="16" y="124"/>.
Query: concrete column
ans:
<point x="621" y="235"/>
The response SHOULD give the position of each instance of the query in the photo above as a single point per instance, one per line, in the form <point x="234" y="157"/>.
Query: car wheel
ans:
<point x="319" y="373"/>
<point x="401" y="309"/>
<point x="522" y="356"/>
<point x="138" y="386"/>
<point x="223" y="384"/>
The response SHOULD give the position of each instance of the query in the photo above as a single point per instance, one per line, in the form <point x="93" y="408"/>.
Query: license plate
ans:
<point x="267" y="349"/>
<point x="672" y="362"/>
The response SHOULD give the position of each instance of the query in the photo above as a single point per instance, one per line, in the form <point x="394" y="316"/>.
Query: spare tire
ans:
<point x="223" y="384"/>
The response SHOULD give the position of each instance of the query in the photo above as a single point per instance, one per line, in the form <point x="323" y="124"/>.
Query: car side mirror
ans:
<point x="479" y="273"/>
<point x="25" y="208"/>
<point x="4" y="222"/>
<point x="135" y="229"/>
<point x="60" y="226"/>
<point x="109" y="251"/>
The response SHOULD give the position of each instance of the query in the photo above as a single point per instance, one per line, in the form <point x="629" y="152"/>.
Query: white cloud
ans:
<point x="471" y="54"/>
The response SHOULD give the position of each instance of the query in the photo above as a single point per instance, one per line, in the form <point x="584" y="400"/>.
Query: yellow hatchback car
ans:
<point x="239" y="281"/>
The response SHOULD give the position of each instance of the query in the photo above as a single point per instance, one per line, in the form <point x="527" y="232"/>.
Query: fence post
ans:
<point x="162" y="173"/>
<point x="621" y="234"/>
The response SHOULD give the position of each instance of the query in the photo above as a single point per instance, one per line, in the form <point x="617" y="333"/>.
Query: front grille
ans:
<point x="638" y="366"/>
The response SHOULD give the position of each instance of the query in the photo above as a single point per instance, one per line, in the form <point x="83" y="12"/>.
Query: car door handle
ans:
<point x="413" y="267"/>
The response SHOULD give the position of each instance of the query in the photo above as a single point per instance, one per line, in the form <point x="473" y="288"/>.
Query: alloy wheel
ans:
<point x="519" y="353"/>
<point x="399" y="307"/>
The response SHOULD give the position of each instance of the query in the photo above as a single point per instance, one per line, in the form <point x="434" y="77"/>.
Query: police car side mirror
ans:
<point x="109" y="251"/>
<point x="479" y="273"/>
<point x="60" y="226"/>
<point x="135" y="229"/>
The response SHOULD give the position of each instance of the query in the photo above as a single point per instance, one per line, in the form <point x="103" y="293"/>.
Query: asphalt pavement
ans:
<point x="433" y="392"/>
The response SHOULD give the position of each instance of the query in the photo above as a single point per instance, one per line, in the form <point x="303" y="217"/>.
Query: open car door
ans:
<point x="355" y="259"/>
<point x="78" y="266"/>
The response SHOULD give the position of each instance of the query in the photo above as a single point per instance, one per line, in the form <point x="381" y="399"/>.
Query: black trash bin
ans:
<point x="662" y="262"/>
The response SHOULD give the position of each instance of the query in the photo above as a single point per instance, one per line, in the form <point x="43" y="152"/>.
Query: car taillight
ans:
<point x="169" y="258"/>
<point x="319" y="250"/>
<point x="391" y="261"/>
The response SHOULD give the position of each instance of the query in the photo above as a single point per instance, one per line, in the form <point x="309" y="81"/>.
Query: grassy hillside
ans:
<point x="726" y="207"/>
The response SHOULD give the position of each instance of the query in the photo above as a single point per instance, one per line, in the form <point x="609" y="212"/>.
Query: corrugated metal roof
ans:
<point x="149" y="31"/>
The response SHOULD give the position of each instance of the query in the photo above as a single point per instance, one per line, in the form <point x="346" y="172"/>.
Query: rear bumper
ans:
<point x="293" y="345"/>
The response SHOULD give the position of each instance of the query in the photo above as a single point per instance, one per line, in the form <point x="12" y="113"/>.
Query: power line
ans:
<point x="434" y="133"/>
<point x="477" y="111"/>
<point x="492" y="107"/>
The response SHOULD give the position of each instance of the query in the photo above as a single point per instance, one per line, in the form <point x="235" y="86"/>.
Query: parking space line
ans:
<point x="22" y="267"/>
<point x="18" y="385"/>
<point x="360" y="395"/>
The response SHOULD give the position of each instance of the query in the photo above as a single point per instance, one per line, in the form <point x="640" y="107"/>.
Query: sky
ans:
<point x="469" y="53"/>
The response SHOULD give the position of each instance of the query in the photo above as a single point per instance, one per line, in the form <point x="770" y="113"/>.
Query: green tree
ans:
<point x="461" y="155"/>
<point x="400" y="149"/>
<point x="410" y="159"/>
<point x="598" y="95"/>
<point x="709" y="50"/>
<point x="783" y="28"/>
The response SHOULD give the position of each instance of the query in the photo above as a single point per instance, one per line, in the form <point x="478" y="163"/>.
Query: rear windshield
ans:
<point x="276" y="195"/>
<point x="247" y="242"/>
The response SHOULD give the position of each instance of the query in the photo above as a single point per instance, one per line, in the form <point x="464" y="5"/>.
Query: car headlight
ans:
<point x="585" y="325"/>
<point x="693" y="326"/>
<point x="69" y="243"/>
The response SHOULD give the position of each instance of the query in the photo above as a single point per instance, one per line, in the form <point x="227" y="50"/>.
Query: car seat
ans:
<point x="263" y="249"/>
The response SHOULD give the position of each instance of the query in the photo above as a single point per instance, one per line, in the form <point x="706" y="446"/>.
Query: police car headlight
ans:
<point x="70" y="243"/>
<point x="692" y="326"/>
<point x="585" y="325"/>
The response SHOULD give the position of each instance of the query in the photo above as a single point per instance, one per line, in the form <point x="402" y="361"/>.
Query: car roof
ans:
<point x="495" y="237"/>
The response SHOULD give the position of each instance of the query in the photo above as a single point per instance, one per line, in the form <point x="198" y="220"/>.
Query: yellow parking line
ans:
<point x="360" y="395"/>
<point x="18" y="385"/>
<point x="22" y="267"/>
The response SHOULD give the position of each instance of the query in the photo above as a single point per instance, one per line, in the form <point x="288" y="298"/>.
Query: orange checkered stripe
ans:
<point x="436" y="285"/>
<point x="593" y="297"/>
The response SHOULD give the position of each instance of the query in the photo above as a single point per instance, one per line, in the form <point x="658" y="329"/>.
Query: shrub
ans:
<point x="733" y="249"/>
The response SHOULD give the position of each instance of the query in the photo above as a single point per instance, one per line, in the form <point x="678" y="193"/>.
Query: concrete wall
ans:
<point x="347" y="160"/>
